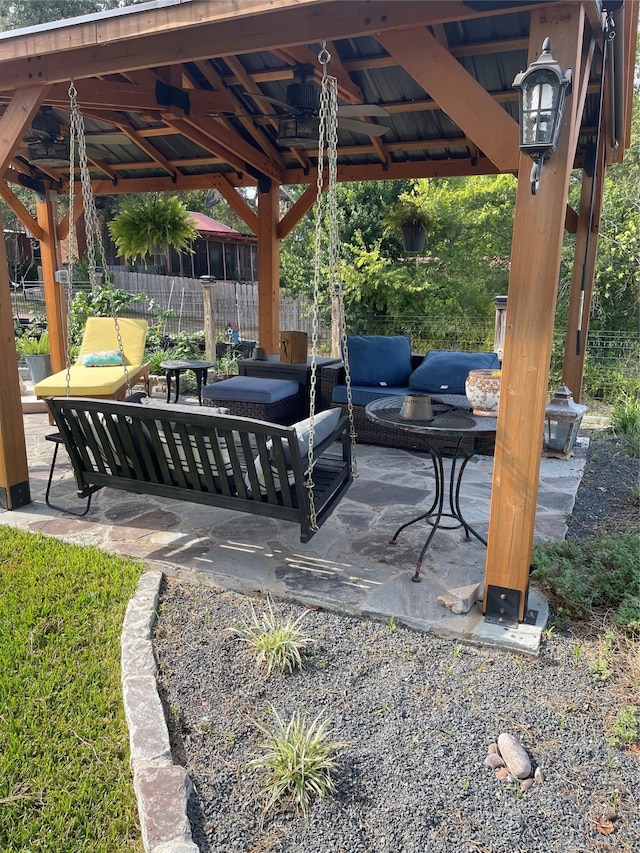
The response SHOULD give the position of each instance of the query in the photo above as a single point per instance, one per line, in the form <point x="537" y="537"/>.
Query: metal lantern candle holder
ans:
<point x="544" y="87"/>
<point x="563" y="419"/>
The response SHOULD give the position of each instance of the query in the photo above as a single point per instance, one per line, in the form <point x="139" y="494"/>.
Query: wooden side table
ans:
<point x="176" y="366"/>
<point x="273" y="368"/>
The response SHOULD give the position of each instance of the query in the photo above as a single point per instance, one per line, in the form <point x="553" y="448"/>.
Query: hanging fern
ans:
<point x="148" y="224"/>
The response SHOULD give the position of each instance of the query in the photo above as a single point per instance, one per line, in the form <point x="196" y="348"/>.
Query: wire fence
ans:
<point x="612" y="362"/>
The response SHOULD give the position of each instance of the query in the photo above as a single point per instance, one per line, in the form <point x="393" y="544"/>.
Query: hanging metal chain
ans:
<point x="91" y="220"/>
<point x="327" y="142"/>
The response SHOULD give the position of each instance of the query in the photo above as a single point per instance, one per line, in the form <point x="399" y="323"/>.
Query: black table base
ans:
<point x="446" y="436"/>
<point x="434" y="515"/>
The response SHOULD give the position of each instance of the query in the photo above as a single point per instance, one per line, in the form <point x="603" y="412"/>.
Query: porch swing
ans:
<point x="208" y="456"/>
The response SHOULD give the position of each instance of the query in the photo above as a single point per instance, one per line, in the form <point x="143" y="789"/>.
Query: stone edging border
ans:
<point x="161" y="787"/>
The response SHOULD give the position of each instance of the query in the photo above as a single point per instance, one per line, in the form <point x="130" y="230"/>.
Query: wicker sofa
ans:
<point x="333" y="391"/>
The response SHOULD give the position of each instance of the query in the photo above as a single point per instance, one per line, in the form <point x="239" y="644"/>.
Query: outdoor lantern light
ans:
<point x="563" y="418"/>
<point x="544" y="87"/>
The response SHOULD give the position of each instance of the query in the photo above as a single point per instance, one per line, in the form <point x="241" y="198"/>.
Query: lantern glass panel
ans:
<point x="540" y="95"/>
<point x="562" y="434"/>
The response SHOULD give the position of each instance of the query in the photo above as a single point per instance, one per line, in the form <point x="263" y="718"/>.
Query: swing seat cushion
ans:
<point x="324" y="424"/>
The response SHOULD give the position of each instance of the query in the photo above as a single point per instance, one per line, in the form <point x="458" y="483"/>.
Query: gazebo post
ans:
<point x="14" y="474"/>
<point x="533" y="284"/>
<point x="269" y="268"/>
<point x="584" y="266"/>
<point x="53" y="292"/>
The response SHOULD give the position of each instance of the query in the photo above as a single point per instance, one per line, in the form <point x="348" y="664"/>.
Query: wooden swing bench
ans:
<point x="200" y="456"/>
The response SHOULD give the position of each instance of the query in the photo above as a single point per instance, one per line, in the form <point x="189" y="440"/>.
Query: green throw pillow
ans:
<point x="105" y="358"/>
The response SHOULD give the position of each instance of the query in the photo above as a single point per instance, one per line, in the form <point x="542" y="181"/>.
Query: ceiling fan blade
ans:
<point x="364" y="127"/>
<point x="271" y="100"/>
<point x="107" y="138"/>
<point x="362" y="110"/>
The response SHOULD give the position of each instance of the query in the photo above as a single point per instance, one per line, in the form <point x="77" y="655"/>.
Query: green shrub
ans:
<point x="625" y="419"/>
<point x="627" y="727"/>
<point x="592" y="573"/>
<point x="156" y="357"/>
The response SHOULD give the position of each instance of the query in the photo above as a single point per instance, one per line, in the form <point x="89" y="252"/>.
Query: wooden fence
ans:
<point x="235" y="302"/>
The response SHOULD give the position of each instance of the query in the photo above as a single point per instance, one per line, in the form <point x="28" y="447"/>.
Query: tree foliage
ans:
<point x="15" y="14"/>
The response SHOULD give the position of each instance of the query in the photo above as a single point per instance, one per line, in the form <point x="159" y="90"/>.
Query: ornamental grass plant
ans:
<point x="277" y="643"/>
<point x="65" y="782"/>
<point x="298" y="759"/>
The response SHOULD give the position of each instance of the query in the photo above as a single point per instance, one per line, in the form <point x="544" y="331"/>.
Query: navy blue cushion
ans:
<point x="363" y="394"/>
<point x="381" y="360"/>
<point x="445" y="371"/>
<point x="250" y="389"/>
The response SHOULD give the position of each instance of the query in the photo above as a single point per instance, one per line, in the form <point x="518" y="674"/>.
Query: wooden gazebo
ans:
<point x="173" y="96"/>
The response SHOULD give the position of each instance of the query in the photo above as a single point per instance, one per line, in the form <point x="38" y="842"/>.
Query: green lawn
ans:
<point x="65" y="782"/>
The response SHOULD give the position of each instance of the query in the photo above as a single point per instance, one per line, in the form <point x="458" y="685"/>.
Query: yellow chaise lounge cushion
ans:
<point x="100" y="334"/>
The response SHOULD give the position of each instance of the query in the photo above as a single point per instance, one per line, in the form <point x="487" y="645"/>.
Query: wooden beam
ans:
<point x="212" y="76"/>
<point x="149" y="149"/>
<point x="14" y="473"/>
<point x="457" y="93"/>
<point x="235" y="150"/>
<point x="158" y="184"/>
<point x="580" y="85"/>
<point x="269" y="270"/>
<point x="14" y="203"/>
<point x="237" y="203"/>
<point x="16" y="119"/>
<point x="299" y="209"/>
<point x="64" y="224"/>
<point x="533" y="284"/>
<point x="198" y="30"/>
<point x="128" y="97"/>
<point x="54" y="295"/>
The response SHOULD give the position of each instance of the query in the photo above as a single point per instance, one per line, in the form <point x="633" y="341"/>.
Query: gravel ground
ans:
<point x="417" y="714"/>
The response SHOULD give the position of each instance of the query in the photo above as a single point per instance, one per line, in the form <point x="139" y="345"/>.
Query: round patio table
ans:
<point x="453" y="432"/>
<point x="175" y="367"/>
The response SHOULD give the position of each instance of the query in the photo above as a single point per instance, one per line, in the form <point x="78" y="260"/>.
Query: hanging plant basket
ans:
<point x="411" y="220"/>
<point x="414" y="239"/>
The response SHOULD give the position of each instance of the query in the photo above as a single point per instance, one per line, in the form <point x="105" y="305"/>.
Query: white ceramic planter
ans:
<point x="483" y="391"/>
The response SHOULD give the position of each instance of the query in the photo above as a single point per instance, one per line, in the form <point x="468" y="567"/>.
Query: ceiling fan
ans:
<point x="47" y="142"/>
<point x="298" y="126"/>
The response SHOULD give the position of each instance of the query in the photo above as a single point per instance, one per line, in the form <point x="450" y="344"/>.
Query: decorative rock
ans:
<point x="494" y="761"/>
<point x="461" y="599"/>
<point x="502" y="773"/>
<point x="525" y="785"/>
<point x="538" y="776"/>
<point x="514" y="756"/>
<point x="493" y="748"/>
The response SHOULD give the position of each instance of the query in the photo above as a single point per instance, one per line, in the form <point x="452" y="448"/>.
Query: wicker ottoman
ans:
<point x="274" y="400"/>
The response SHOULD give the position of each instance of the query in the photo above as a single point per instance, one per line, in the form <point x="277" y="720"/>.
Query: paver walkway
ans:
<point x="349" y="565"/>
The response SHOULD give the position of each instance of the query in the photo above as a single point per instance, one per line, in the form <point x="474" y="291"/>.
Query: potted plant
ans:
<point x="412" y="220"/>
<point x="35" y="351"/>
<point x="148" y="224"/>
